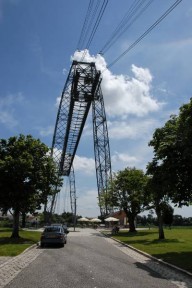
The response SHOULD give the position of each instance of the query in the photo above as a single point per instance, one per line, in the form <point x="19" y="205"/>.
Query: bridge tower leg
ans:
<point x="73" y="195"/>
<point x="102" y="150"/>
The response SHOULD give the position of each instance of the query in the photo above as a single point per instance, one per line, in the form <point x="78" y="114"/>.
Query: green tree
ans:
<point x="171" y="168"/>
<point x="156" y="190"/>
<point x="23" y="184"/>
<point x="178" y="220"/>
<point x="128" y="193"/>
<point x="168" y="215"/>
<point x="173" y="149"/>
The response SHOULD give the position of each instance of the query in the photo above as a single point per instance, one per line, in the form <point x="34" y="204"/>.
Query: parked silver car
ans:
<point x="53" y="235"/>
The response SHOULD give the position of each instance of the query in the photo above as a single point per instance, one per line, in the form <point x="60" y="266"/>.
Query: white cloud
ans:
<point x="84" y="164"/>
<point x="11" y="99"/>
<point x="131" y="129"/>
<point x="124" y="95"/>
<point x="64" y="71"/>
<point x="58" y="99"/>
<point x="7" y="108"/>
<point x="86" y="201"/>
<point x="123" y="160"/>
<point x="7" y="119"/>
<point x="47" y="131"/>
<point x="89" y="200"/>
<point x="142" y="74"/>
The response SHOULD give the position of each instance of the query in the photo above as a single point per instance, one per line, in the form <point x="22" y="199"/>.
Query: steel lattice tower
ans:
<point x="82" y="88"/>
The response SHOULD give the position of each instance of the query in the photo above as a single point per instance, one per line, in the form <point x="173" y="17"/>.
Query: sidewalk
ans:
<point x="11" y="266"/>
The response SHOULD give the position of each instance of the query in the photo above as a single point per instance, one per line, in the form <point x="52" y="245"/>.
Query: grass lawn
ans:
<point x="175" y="249"/>
<point x="12" y="247"/>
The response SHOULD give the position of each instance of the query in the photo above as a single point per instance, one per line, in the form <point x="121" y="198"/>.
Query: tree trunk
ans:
<point x="131" y="220"/>
<point x="160" y="222"/>
<point x="23" y="219"/>
<point x="15" y="232"/>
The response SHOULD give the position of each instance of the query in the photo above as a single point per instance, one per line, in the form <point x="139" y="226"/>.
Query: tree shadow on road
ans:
<point x="162" y="271"/>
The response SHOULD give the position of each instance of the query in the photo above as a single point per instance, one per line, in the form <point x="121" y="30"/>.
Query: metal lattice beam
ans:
<point x="102" y="149"/>
<point x="76" y="99"/>
<point x="82" y="88"/>
<point x="73" y="194"/>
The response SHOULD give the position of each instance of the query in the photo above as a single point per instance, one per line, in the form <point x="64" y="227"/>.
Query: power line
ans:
<point x="83" y="30"/>
<point x="97" y="22"/>
<point x="96" y="25"/>
<point x="168" y="11"/>
<point x="91" y="23"/>
<point x="126" y="22"/>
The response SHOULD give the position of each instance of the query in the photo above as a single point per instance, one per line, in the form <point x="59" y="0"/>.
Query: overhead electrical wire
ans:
<point x="102" y="10"/>
<point x="96" y="25"/>
<point x="135" y="9"/>
<point x="160" y="19"/>
<point x="91" y="23"/>
<point x="84" y="28"/>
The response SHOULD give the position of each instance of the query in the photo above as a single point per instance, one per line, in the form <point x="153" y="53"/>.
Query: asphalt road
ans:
<point x="88" y="260"/>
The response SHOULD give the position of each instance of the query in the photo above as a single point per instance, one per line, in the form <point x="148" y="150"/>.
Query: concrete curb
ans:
<point x="11" y="257"/>
<point x="150" y="256"/>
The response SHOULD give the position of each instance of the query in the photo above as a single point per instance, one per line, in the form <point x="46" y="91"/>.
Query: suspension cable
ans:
<point x="101" y="12"/>
<point x="126" y="23"/>
<point x="167" y="12"/>
<point x="84" y="28"/>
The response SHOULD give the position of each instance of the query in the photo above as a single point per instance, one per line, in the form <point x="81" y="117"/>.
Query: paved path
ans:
<point x="11" y="267"/>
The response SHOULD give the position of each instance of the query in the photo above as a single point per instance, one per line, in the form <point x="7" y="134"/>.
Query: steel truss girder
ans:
<point x="82" y="88"/>
<point x="77" y="96"/>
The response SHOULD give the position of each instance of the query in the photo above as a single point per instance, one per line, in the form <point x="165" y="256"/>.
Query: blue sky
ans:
<point x="38" y="40"/>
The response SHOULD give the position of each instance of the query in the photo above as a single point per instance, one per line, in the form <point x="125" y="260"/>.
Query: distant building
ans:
<point x="123" y="220"/>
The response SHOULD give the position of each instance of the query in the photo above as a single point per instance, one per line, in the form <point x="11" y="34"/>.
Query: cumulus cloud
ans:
<point x="131" y="129"/>
<point x="123" y="160"/>
<point x="84" y="164"/>
<point x="124" y="95"/>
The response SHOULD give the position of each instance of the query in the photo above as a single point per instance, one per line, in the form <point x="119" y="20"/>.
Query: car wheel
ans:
<point x="42" y="245"/>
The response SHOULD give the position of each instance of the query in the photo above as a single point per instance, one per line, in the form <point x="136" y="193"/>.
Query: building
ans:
<point x="123" y="220"/>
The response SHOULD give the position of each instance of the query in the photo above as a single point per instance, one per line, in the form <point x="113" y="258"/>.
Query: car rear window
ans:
<point x="52" y="229"/>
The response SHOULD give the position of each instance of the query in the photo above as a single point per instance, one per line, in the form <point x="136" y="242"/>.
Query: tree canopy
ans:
<point x="27" y="173"/>
<point x="128" y="193"/>
<point x="172" y="146"/>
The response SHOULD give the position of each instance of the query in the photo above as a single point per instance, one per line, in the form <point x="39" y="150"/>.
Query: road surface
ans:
<point x="90" y="260"/>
